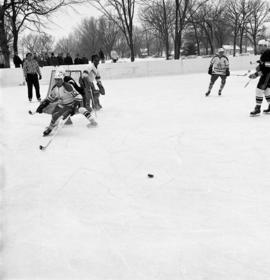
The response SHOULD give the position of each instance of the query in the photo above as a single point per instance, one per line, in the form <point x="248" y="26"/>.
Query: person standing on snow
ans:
<point x="32" y="76"/>
<point x="219" y="67"/>
<point x="263" y="86"/>
<point x="69" y="100"/>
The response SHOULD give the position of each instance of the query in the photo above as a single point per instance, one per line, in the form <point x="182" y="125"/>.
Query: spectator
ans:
<point x="47" y="60"/>
<point x="53" y="60"/>
<point x="17" y="60"/>
<point x="68" y="60"/>
<point x="32" y="74"/>
<point x="102" y="56"/>
<point x="114" y="56"/>
<point x="85" y="60"/>
<point x="60" y="59"/>
<point x="78" y="60"/>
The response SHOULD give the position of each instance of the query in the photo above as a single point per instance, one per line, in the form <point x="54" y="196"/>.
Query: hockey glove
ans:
<point x="40" y="77"/>
<point x="254" y="75"/>
<point x="210" y="70"/>
<point x="42" y="105"/>
<point x="101" y="88"/>
<point x="227" y="72"/>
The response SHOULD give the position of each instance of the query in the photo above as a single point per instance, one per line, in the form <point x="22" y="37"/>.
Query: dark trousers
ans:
<point x="61" y="111"/>
<point x="213" y="79"/>
<point x="32" y="79"/>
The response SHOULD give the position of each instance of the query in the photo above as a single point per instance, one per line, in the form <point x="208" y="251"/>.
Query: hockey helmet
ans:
<point x="220" y="50"/>
<point x="59" y="75"/>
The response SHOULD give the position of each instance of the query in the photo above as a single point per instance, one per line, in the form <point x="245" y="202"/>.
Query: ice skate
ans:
<point x="219" y="92"/>
<point x="92" y="123"/>
<point x="267" y="111"/>
<point x="256" y="111"/>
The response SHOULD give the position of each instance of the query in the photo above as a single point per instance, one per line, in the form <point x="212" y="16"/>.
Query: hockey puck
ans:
<point x="150" y="175"/>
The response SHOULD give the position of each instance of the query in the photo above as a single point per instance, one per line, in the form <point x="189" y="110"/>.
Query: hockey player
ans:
<point x="69" y="100"/>
<point x="219" y="67"/>
<point x="263" y="86"/>
<point x="89" y="76"/>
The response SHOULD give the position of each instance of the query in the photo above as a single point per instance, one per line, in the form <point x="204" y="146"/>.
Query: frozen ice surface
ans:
<point x="86" y="209"/>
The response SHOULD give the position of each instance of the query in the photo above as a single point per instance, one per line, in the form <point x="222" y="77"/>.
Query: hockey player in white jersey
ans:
<point x="90" y="74"/>
<point x="219" y="67"/>
<point x="68" y="102"/>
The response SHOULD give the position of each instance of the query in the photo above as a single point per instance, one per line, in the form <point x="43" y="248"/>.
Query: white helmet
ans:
<point x="220" y="50"/>
<point x="59" y="73"/>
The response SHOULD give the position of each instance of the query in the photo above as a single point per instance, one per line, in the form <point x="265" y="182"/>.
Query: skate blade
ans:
<point x="254" y="115"/>
<point x="90" y="125"/>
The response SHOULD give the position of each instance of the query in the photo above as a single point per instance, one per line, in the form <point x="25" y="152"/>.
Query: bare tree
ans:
<point x="184" y="9"/>
<point x="122" y="13"/>
<point x="210" y="18"/>
<point x="26" y="14"/>
<point x="108" y="34"/>
<point x="4" y="8"/>
<point x="38" y="43"/>
<point x="67" y="45"/>
<point x="158" y="16"/>
<point x="259" y="15"/>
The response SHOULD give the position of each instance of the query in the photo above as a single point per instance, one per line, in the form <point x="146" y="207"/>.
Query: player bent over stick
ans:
<point x="68" y="100"/>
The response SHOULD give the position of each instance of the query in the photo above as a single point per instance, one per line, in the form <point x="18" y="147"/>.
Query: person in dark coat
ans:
<point x="68" y="60"/>
<point x="78" y="60"/>
<point x="53" y="60"/>
<point x="101" y="56"/>
<point x="17" y="60"/>
<point x="60" y="59"/>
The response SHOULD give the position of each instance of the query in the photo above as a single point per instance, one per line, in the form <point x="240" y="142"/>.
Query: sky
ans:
<point x="66" y="19"/>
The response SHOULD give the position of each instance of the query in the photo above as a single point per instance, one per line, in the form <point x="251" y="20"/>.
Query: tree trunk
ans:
<point x="131" y="46"/>
<point x="15" y="41"/>
<point x="166" y="31"/>
<point x="3" y="38"/>
<point x="197" y="39"/>
<point x="176" y="41"/>
<point x="241" y="40"/>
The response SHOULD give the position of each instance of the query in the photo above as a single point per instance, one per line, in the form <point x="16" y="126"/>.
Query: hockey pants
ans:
<point x="213" y="79"/>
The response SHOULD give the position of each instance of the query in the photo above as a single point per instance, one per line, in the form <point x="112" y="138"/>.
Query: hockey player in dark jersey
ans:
<point x="219" y="67"/>
<point x="263" y="86"/>
<point x="69" y="101"/>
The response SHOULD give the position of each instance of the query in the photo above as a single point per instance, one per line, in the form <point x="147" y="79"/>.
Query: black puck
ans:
<point x="150" y="175"/>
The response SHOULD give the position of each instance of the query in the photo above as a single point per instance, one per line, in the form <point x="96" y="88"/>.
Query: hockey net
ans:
<point x="75" y="74"/>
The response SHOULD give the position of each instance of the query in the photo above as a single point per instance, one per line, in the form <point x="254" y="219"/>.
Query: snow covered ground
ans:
<point x="85" y="208"/>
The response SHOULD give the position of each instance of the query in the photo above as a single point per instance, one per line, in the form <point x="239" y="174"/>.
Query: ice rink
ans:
<point x="86" y="209"/>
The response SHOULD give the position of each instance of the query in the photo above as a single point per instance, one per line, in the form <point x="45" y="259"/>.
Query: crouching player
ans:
<point x="68" y="102"/>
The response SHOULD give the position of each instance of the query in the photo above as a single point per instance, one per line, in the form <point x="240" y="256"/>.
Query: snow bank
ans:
<point x="14" y="77"/>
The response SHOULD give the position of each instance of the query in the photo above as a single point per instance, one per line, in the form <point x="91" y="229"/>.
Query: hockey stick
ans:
<point x="241" y="75"/>
<point x="60" y="125"/>
<point x="247" y="83"/>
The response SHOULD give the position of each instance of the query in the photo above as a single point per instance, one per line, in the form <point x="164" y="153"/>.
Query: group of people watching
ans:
<point x="52" y="60"/>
